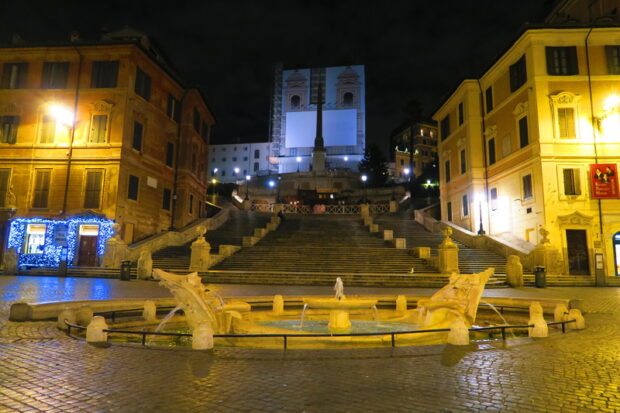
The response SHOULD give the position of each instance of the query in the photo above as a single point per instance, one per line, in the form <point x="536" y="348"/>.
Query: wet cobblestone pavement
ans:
<point x="43" y="370"/>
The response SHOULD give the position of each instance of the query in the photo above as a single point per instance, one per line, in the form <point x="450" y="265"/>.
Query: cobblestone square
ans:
<point x="43" y="370"/>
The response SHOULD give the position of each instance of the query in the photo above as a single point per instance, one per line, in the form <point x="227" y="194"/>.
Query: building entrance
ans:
<point x="617" y="253"/>
<point x="577" y="251"/>
<point x="87" y="253"/>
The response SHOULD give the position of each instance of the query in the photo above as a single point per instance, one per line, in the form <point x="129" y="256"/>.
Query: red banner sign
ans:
<point x="604" y="180"/>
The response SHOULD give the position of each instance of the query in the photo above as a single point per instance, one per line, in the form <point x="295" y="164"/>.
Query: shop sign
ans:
<point x="604" y="180"/>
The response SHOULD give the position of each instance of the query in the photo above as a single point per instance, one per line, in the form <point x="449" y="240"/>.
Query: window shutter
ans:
<point x="573" y="63"/>
<point x="551" y="69"/>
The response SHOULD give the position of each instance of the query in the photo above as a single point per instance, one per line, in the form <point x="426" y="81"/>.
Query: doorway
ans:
<point x="577" y="252"/>
<point x="617" y="253"/>
<point x="87" y="254"/>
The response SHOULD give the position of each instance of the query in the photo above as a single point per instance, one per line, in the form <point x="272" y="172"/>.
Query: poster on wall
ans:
<point x="604" y="180"/>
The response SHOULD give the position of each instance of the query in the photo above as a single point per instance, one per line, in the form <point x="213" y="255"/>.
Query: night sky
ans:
<point x="411" y="49"/>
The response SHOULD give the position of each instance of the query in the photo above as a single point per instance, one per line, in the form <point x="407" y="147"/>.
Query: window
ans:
<point x="347" y="98"/>
<point x="449" y="211"/>
<point x="447" y="169"/>
<point x="197" y="120"/>
<point x="105" y="74"/>
<point x="461" y="117"/>
<point x="48" y="129"/>
<point x="257" y="154"/>
<point x="41" y="188"/>
<point x="492" y="158"/>
<point x="518" y="74"/>
<point x="193" y="161"/>
<point x="5" y="174"/>
<point x="174" y="109"/>
<point x="445" y="127"/>
<point x="527" y="187"/>
<point x="562" y="61"/>
<point x="167" y="196"/>
<point x="191" y="204"/>
<point x="55" y="75"/>
<point x="170" y="154"/>
<point x="223" y="172"/>
<point x="98" y="127"/>
<point x="234" y="159"/>
<point x="8" y="129"/>
<point x="524" y="139"/>
<point x="463" y="162"/>
<point x="92" y="193"/>
<point x="506" y="146"/>
<point x="35" y="238"/>
<point x="493" y="196"/>
<point x="465" y="206"/>
<point x="295" y="101"/>
<point x="255" y="166"/>
<point x="292" y="152"/>
<point x="613" y="59"/>
<point x="143" y="84"/>
<point x="566" y="122"/>
<point x="133" y="187"/>
<point x="223" y="159"/>
<point x="245" y="158"/>
<point x="488" y="98"/>
<point x="572" y="185"/>
<point x="14" y="76"/>
<point x="138" y="130"/>
<point x="205" y="131"/>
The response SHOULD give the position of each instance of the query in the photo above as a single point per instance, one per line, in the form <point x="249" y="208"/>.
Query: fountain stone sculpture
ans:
<point x="339" y="307"/>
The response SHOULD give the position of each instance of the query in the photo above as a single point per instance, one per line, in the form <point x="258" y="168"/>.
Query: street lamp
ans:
<point x="364" y="179"/>
<point x="298" y="159"/>
<point x="214" y="171"/>
<point x="481" y="228"/>
<point x="247" y="186"/>
<point x="213" y="181"/>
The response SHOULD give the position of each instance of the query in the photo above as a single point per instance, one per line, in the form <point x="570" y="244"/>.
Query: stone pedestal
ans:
<point x="448" y="253"/>
<point x="149" y="313"/>
<point x="364" y="210"/>
<point x="201" y="251"/>
<point x="278" y="304"/>
<point x="145" y="265"/>
<point x="260" y="232"/>
<point x="11" y="261"/>
<point x="421" y="252"/>
<point x="318" y="159"/>
<point x="249" y="241"/>
<point x="367" y="221"/>
<point x="514" y="271"/>
<point x="393" y="206"/>
<point x="374" y="227"/>
<point x="401" y="304"/>
<point x="115" y="251"/>
<point x="339" y="321"/>
<point x="94" y="331"/>
<point x="546" y="255"/>
<point x="400" y="243"/>
<point x="388" y="235"/>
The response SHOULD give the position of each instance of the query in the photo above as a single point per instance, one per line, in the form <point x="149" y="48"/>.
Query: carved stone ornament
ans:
<point x="521" y="109"/>
<point x="564" y="98"/>
<point x="491" y="132"/>
<point x="545" y="235"/>
<point x="576" y="218"/>
<point x="10" y="108"/>
<point x="102" y="106"/>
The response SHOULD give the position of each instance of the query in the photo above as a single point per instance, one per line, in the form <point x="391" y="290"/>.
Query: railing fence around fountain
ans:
<point x="374" y="209"/>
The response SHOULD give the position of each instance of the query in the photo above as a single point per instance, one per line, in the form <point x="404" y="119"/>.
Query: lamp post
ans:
<point x="213" y="181"/>
<point x="364" y="179"/>
<point x="298" y="159"/>
<point x="247" y="186"/>
<point x="235" y="172"/>
<point x="481" y="230"/>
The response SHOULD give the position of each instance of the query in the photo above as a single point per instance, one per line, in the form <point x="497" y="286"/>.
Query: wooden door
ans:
<point x="577" y="251"/>
<point x="88" y="251"/>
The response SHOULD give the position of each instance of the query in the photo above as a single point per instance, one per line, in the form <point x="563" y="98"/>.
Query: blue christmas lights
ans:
<point x="51" y="252"/>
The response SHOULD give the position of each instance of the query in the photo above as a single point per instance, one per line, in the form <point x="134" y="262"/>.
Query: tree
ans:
<point x="374" y="165"/>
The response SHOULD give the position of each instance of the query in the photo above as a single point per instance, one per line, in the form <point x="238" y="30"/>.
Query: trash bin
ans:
<point x="125" y="270"/>
<point x="540" y="276"/>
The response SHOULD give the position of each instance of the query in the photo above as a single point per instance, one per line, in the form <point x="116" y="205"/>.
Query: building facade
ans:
<point x="293" y="115"/>
<point x="413" y="148"/>
<point x="231" y="163"/>
<point x="92" y="134"/>
<point x="535" y="142"/>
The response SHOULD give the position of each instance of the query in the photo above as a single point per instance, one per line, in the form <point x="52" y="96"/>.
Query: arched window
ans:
<point x="347" y="98"/>
<point x="295" y="101"/>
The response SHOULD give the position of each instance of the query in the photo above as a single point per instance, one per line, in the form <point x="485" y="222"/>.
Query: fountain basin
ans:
<point x="344" y="304"/>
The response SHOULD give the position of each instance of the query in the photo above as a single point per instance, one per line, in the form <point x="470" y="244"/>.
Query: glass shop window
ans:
<point x="35" y="238"/>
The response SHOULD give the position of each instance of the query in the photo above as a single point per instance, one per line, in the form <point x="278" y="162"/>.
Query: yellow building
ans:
<point x="92" y="133"/>
<point x="520" y="147"/>
<point x="413" y="148"/>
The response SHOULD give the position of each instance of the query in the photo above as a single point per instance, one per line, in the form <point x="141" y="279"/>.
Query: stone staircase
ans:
<point x="239" y="224"/>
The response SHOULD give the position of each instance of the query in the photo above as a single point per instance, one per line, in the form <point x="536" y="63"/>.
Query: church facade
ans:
<point x="293" y="117"/>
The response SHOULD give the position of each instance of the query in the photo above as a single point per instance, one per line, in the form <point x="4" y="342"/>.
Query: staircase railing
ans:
<point x="375" y="209"/>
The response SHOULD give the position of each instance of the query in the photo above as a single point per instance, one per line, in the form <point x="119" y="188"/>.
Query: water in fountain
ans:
<point x="375" y="312"/>
<point x="303" y="314"/>
<point x="495" y="309"/>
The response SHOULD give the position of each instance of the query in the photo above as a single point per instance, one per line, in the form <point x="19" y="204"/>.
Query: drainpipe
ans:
<point x="173" y="208"/>
<point x="72" y="135"/>
<point x="594" y="143"/>
<point x="485" y="155"/>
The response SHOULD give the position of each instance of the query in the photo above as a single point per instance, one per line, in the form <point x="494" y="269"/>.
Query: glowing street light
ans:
<point x="346" y="158"/>
<point x="213" y="181"/>
<point x="480" y="197"/>
<point x="247" y="186"/>
<point x="298" y="159"/>
<point x="62" y="114"/>
<point x="364" y="179"/>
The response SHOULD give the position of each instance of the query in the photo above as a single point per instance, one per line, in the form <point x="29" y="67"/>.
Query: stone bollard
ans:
<point x="388" y="235"/>
<point x="11" y="260"/>
<point x="84" y="316"/>
<point x="559" y="313"/>
<point x="580" y="322"/>
<point x="421" y="252"/>
<point x="374" y="228"/>
<point x="401" y="304"/>
<point x="145" y="265"/>
<point x="448" y="254"/>
<point x="400" y="243"/>
<point x="459" y="333"/>
<point x="200" y="256"/>
<point x="278" y="304"/>
<point x="364" y="210"/>
<point x="540" y="328"/>
<point x="66" y="314"/>
<point x="150" y="311"/>
<point x="393" y="206"/>
<point x="202" y="337"/>
<point x="367" y="221"/>
<point x="94" y="331"/>
<point x="514" y="271"/>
